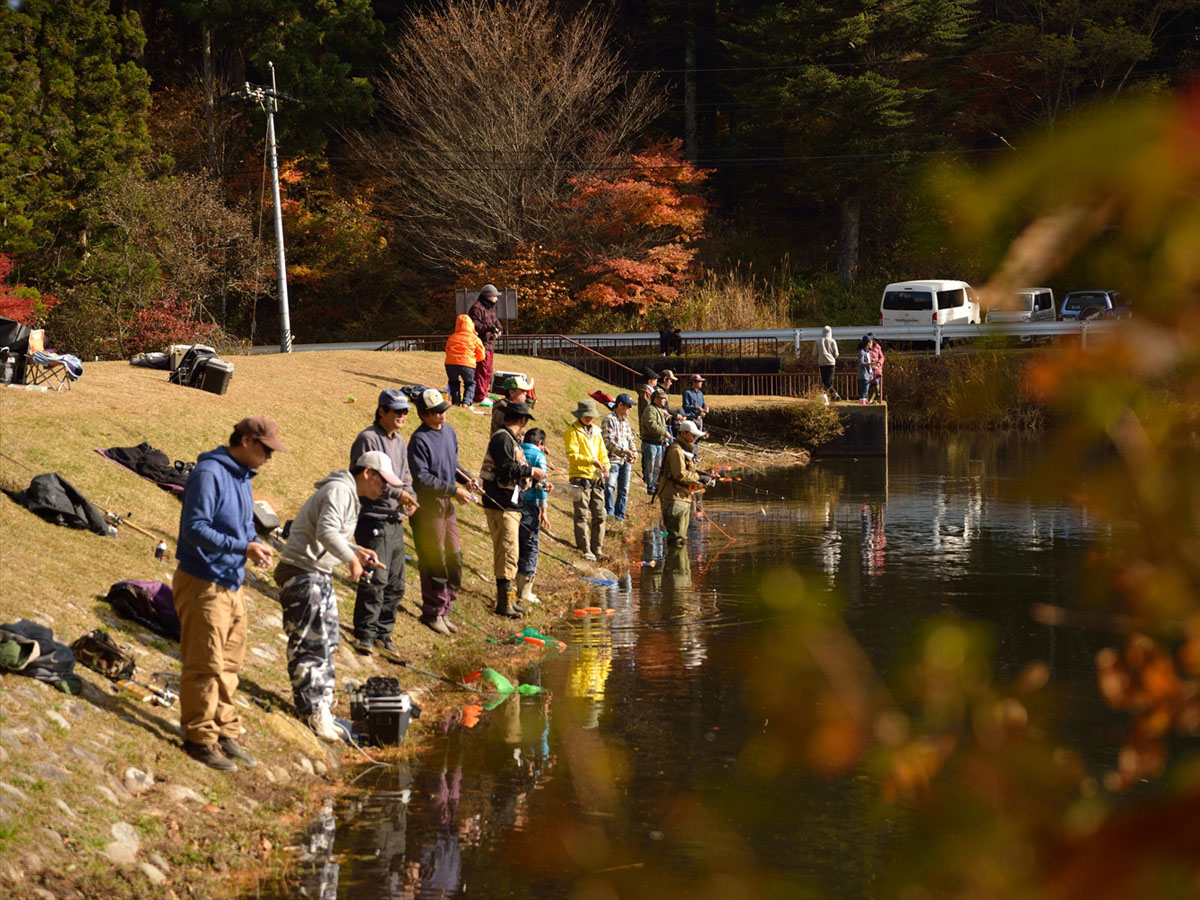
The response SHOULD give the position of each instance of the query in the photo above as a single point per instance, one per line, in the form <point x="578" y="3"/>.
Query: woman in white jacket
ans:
<point x="826" y="351"/>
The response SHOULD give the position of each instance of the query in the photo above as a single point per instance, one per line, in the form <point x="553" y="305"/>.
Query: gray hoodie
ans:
<point x="322" y="531"/>
<point x="826" y="349"/>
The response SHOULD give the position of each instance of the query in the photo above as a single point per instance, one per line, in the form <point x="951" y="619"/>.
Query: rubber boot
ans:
<point x="504" y="598"/>
<point x="525" y="589"/>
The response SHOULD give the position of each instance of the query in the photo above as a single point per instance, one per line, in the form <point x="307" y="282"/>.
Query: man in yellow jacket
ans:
<point x="464" y="350"/>
<point x="587" y="461"/>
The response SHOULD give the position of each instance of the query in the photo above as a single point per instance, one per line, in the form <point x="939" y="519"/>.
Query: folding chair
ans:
<point x="49" y="369"/>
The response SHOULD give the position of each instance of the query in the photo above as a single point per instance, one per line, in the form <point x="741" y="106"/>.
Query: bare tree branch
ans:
<point x="492" y="110"/>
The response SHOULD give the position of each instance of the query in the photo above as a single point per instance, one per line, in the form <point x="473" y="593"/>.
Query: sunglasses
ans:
<point x="268" y="451"/>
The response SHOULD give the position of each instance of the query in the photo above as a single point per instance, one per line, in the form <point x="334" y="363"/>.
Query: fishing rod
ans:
<point x="702" y="513"/>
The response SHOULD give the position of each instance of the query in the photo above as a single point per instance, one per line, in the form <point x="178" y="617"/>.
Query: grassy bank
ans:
<point x="961" y="390"/>
<point x="64" y="760"/>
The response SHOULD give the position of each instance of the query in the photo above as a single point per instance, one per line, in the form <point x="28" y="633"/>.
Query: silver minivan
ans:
<point x="1028" y="305"/>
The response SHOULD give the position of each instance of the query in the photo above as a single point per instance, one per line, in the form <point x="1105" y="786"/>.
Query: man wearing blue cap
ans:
<point x="618" y="440"/>
<point x="381" y="527"/>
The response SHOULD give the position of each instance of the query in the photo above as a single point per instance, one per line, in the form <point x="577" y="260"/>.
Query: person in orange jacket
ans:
<point x="463" y="350"/>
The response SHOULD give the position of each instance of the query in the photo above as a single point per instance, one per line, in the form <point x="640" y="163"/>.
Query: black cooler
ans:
<point x="212" y="375"/>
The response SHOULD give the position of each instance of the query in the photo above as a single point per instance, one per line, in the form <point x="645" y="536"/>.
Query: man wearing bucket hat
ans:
<point x="677" y="481"/>
<point x="487" y="327"/>
<point x="216" y="538"/>
<point x="319" y="539"/>
<point x="381" y="526"/>
<point x="505" y="474"/>
<point x="587" y="461"/>
<point x="439" y="483"/>
<point x="619" y="442"/>
<point x="516" y="390"/>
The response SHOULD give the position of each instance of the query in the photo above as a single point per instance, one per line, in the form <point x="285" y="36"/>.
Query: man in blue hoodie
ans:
<point x="216" y="538"/>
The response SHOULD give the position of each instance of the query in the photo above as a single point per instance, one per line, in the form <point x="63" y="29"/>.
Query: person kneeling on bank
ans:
<point x="505" y="475"/>
<point x="678" y="481"/>
<point x="320" y="538"/>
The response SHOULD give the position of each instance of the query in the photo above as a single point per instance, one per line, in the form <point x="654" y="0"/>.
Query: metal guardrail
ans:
<point x="770" y="341"/>
<point x="551" y="345"/>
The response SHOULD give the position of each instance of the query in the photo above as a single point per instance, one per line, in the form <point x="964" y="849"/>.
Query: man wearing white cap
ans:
<point x="320" y="538"/>
<point x="677" y="481"/>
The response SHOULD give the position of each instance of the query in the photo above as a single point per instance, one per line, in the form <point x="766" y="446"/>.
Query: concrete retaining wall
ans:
<point x="866" y="431"/>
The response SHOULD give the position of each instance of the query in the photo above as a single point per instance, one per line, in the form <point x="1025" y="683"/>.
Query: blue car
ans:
<point x="1086" y="305"/>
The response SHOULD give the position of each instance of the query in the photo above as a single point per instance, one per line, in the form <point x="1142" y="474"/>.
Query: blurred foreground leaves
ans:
<point x="990" y="802"/>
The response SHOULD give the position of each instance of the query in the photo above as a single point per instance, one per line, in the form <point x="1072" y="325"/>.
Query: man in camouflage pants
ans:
<point x="321" y="538"/>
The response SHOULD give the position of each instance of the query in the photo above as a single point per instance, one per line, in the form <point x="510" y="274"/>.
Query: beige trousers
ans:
<point x="505" y="526"/>
<point x="212" y="644"/>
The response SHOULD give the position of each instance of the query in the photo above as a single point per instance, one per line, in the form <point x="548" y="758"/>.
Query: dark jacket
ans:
<point x="375" y="438"/>
<point x="487" y="323"/>
<point x="217" y="522"/>
<point x="433" y="462"/>
<point x="41" y="656"/>
<point x="58" y="502"/>
<point x="505" y="472"/>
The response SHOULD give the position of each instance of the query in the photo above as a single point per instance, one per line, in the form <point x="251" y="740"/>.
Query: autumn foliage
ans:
<point x="628" y="244"/>
<point x="22" y="304"/>
<point x="167" y="321"/>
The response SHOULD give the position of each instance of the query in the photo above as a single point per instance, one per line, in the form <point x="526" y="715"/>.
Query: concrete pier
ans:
<point x="865" y="434"/>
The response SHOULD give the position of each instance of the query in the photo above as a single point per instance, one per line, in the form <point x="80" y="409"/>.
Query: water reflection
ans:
<point x="623" y="777"/>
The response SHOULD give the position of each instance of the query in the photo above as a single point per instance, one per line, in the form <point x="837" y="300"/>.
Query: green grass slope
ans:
<point x="55" y="822"/>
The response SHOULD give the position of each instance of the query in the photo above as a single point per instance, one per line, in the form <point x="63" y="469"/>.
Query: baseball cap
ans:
<point x="432" y="401"/>
<point x="381" y="463"/>
<point x="489" y="290"/>
<point x="517" y="383"/>
<point x="689" y="428"/>
<point x="697" y="377"/>
<point x="391" y="398"/>
<point x="625" y="398"/>
<point x="667" y="373"/>
<point x="262" y="429"/>
<point x="649" y="373"/>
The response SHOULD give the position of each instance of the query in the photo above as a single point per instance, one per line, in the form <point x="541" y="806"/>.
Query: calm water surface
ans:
<point x="626" y="778"/>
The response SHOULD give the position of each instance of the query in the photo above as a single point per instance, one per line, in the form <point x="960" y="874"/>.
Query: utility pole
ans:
<point x="267" y="99"/>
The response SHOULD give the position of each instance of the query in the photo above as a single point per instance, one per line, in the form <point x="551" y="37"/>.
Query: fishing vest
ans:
<point x="487" y="472"/>
<point x="672" y="489"/>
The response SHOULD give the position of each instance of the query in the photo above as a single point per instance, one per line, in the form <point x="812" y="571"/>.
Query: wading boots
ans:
<point x="506" y="600"/>
<point x="525" y="592"/>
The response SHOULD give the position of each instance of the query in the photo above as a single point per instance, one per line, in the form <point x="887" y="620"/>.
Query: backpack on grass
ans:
<point x="102" y="654"/>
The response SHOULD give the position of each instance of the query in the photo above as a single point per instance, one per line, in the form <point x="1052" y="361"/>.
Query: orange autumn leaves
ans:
<point x="627" y="241"/>
<point x="1161" y="692"/>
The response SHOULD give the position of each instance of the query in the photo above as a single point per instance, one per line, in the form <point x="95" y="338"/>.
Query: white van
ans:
<point x="930" y="302"/>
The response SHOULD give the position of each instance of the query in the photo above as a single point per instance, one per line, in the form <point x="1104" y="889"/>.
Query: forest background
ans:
<point x="722" y="163"/>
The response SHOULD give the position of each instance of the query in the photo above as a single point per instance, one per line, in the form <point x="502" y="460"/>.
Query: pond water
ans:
<point x="634" y="773"/>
